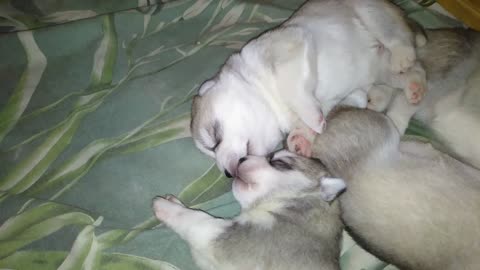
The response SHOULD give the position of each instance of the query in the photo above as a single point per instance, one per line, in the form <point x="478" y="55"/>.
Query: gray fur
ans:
<point x="287" y="227"/>
<point x="406" y="202"/>
<point x="446" y="49"/>
<point x="299" y="239"/>
<point x="350" y="137"/>
<point x="451" y="60"/>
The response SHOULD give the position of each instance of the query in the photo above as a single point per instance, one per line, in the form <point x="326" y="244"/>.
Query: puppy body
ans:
<point x="284" y="224"/>
<point x="450" y="107"/>
<point x="326" y="52"/>
<point x="406" y="202"/>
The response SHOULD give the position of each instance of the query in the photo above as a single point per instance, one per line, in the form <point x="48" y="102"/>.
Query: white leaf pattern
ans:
<point x="230" y="18"/>
<point x="196" y="9"/>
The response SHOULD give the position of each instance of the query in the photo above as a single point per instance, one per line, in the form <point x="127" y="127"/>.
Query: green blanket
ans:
<point x="94" y="122"/>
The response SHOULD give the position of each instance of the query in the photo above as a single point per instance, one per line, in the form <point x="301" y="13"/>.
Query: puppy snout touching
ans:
<point x="241" y="160"/>
<point x="228" y="174"/>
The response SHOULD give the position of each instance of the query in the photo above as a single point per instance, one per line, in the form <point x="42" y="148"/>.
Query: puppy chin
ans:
<point x="241" y="191"/>
<point x="241" y="182"/>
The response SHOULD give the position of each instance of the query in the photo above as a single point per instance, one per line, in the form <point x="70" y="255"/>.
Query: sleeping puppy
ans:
<point x="285" y="222"/>
<point x="450" y="108"/>
<point x="328" y="52"/>
<point x="406" y="203"/>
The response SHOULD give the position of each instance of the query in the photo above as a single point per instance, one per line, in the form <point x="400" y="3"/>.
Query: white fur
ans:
<point x="301" y="70"/>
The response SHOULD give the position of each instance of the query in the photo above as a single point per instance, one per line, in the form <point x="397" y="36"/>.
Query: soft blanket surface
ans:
<point x="94" y="122"/>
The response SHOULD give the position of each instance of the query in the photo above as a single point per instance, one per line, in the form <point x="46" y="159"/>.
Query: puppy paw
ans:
<point x="376" y="103"/>
<point x="378" y="98"/>
<point x="402" y="58"/>
<point x="173" y="199"/>
<point x="300" y="141"/>
<point x="167" y="207"/>
<point x="416" y="87"/>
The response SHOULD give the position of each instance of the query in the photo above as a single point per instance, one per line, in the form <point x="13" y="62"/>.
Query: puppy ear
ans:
<point x="196" y="107"/>
<point x="331" y="187"/>
<point x="205" y="87"/>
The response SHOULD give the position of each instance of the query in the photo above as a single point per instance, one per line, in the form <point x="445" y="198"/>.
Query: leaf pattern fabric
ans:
<point x="94" y="122"/>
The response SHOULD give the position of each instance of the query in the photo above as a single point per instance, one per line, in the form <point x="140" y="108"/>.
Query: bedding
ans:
<point x="94" y="122"/>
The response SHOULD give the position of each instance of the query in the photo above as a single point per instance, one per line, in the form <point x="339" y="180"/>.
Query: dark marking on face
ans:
<point x="215" y="133"/>
<point x="310" y="167"/>
<point x="281" y="164"/>
<point x="249" y="148"/>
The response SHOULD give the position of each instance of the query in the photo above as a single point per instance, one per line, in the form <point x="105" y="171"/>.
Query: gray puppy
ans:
<point x="450" y="107"/>
<point x="406" y="203"/>
<point x="285" y="222"/>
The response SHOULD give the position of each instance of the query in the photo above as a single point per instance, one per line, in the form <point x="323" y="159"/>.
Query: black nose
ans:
<point x="242" y="160"/>
<point x="227" y="174"/>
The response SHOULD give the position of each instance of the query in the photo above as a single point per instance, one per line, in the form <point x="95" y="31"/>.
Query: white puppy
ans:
<point x="451" y="107"/>
<point x="328" y="52"/>
<point x="285" y="222"/>
<point x="406" y="202"/>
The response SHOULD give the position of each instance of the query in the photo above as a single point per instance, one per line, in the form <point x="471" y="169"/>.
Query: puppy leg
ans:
<point x="386" y="23"/>
<point x="379" y="97"/>
<point x="194" y="226"/>
<point x="309" y="112"/>
<point x="357" y="98"/>
<point x="400" y="112"/>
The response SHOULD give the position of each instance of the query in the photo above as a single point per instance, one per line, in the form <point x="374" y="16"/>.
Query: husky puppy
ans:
<point x="406" y="202"/>
<point x="327" y="52"/>
<point x="285" y="222"/>
<point x="451" y="106"/>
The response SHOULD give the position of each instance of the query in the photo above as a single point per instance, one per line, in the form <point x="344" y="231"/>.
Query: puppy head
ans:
<point x="230" y="121"/>
<point x="283" y="171"/>
<point x="239" y="112"/>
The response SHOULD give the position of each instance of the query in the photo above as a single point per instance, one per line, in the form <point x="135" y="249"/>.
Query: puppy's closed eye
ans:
<point x="280" y="165"/>
<point x="214" y="135"/>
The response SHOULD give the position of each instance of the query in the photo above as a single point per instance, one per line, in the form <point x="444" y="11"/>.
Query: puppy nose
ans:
<point x="242" y="160"/>
<point x="227" y="174"/>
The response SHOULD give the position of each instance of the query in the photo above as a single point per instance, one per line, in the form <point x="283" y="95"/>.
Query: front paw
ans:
<point x="173" y="199"/>
<point x="166" y="207"/>
<point x="415" y="92"/>
<point x="300" y="141"/>
<point x="402" y="58"/>
<point x="416" y="86"/>
<point x="379" y="98"/>
<point x="377" y="103"/>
